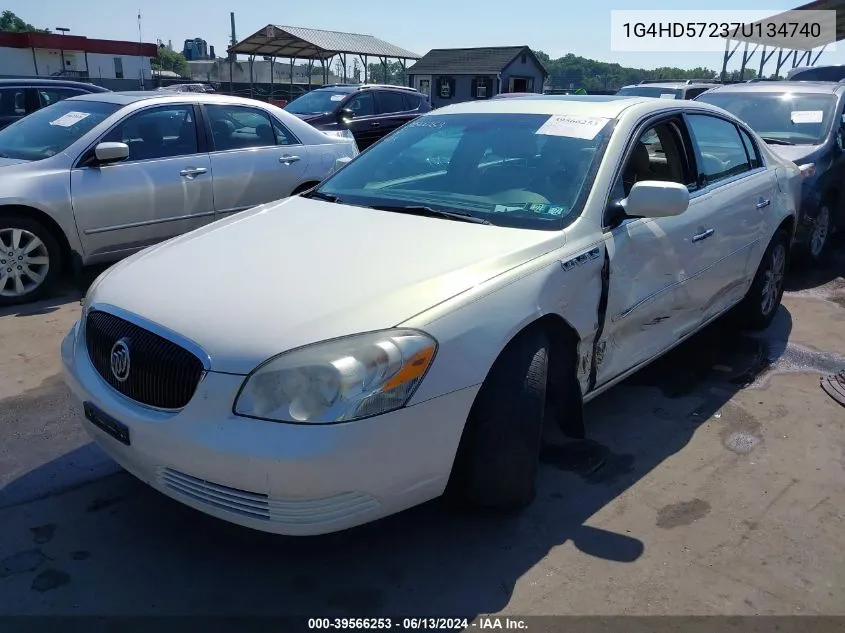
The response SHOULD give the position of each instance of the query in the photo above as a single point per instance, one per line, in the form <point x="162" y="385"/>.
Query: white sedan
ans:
<point x="324" y="361"/>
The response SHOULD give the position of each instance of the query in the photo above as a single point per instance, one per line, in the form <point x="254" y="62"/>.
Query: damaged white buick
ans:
<point x="406" y="328"/>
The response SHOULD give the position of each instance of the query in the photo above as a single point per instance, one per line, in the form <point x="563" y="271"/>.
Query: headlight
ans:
<point x="339" y="380"/>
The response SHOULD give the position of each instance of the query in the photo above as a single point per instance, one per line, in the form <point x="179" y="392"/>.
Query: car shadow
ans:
<point x="804" y="277"/>
<point x="67" y="290"/>
<point x="430" y="560"/>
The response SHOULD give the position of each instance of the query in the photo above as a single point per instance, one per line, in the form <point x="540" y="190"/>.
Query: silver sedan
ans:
<point x="98" y="177"/>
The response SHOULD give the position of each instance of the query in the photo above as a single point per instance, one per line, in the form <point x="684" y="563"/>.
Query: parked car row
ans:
<point x="407" y="327"/>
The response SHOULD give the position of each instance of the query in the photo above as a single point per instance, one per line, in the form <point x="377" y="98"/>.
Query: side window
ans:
<point x="162" y="132"/>
<point x="283" y="135"/>
<point x="722" y="150"/>
<point x="751" y="149"/>
<point x="658" y="154"/>
<point x="12" y="101"/>
<point x="692" y="93"/>
<point x="390" y="102"/>
<point x="238" y="127"/>
<point x="362" y="104"/>
<point x="412" y="102"/>
<point x="50" y="96"/>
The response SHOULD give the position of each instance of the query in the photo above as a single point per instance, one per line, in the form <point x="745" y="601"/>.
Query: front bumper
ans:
<point x="295" y="479"/>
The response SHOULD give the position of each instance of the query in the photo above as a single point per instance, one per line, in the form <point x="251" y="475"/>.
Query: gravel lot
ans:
<point x="721" y="492"/>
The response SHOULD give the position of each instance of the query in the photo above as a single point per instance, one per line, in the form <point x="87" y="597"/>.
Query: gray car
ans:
<point x="98" y="177"/>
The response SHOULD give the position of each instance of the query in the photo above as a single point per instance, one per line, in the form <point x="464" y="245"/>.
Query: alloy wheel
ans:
<point x="821" y="229"/>
<point x="24" y="262"/>
<point x="773" y="279"/>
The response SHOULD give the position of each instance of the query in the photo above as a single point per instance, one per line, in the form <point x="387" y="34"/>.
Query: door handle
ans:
<point x="375" y="124"/>
<point x="190" y="172"/>
<point x="287" y="159"/>
<point x="703" y="235"/>
<point x="762" y="204"/>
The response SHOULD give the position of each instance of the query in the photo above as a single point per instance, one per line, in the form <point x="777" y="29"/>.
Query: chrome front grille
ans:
<point x="159" y="373"/>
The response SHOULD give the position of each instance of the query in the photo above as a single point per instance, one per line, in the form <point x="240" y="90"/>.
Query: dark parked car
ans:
<point x="370" y="112"/>
<point x="817" y="73"/>
<point x="801" y="121"/>
<point x="19" y="97"/>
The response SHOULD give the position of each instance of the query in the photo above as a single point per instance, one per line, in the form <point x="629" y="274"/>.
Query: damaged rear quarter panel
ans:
<point x="474" y="328"/>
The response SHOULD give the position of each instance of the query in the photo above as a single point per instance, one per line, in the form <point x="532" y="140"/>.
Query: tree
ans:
<point x="11" y="22"/>
<point x="170" y="60"/>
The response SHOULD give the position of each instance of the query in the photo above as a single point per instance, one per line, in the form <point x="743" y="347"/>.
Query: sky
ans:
<point x="552" y="26"/>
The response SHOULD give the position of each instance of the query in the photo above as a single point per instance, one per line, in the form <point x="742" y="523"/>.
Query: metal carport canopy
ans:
<point x="303" y="43"/>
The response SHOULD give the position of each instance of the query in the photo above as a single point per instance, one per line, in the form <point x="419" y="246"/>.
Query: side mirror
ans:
<point x="656" y="199"/>
<point x="346" y="113"/>
<point x="111" y="152"/>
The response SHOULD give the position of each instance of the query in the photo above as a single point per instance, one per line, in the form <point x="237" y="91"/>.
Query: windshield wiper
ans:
<point x="431" y="213"/>
<point x="319" y="195"/>
<point x="776" y="141"/>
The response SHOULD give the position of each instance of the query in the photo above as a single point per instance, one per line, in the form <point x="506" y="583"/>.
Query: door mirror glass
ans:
<point x="346" y="113"/>
<point x="111" y="152"/>
<point x="656" y="199"/>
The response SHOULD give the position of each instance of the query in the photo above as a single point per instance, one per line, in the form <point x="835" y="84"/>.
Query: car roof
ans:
<point x="163" y="96"/>
<point x="674" y="85"/>
<point x="818" y="87"/>
<point x="357" y="87"/>
<point x="56" y="83"/>
<point x="606" y="106"/>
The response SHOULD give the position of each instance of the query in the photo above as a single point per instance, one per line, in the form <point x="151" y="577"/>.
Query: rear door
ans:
<point x="365" y="125"/>
<point x="393" y="109"/>
<point x="739" y="190"/>
<point x="254" y="159"/>
<point x="162" y="190"/>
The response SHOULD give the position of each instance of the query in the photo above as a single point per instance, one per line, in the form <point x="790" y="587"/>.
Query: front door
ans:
<point x="366" y="124"/>
<point x="162" y="190"/>
<point x="651" y="303"/>
<point x="254" y="158"/>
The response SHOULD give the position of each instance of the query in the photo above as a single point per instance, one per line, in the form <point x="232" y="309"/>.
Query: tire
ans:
<point x="498" y="457"/>
<point x="756" y="312"/>
<point x="27" y="232"/>
<point x="817" y="249"/>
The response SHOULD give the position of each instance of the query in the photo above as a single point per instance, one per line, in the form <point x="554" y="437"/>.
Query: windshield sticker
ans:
<point x="69" y="119"/>
<point x="807" y="116"/>
<point x="507" y="208"/>
<point x="586" y="127"/>
<point x="532" y="207"/>
<point x="667" y="95"/>
<point x="423" y="122"/>
<point x="337" y="97"/>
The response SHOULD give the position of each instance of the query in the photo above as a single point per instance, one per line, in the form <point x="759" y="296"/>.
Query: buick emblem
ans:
<point x="120" y="360"/>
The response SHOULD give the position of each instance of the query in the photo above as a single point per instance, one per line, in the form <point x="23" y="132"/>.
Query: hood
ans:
<point x="301" y="271"/>
<point x="6" y="162"/>
<point x="308" y="117"/>
<point x="798" y="154"/>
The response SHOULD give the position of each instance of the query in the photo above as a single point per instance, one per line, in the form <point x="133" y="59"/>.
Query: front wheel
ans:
<point x="817" y="247"/>
<point x="498" y="457"/>
<point x="760" y="304"/>
<point x="29" y="260"/>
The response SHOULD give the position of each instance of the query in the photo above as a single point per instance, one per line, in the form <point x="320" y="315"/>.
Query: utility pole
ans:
<point x="63" y="30"/>
<point x="140" y="45"/>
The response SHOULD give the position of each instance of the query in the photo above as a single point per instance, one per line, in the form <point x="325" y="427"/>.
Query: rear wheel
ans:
<point x="817" y="247"/>
<point x="498" y="457"/>
<point x="30" y="259"/>
<point x="759" y="306"/>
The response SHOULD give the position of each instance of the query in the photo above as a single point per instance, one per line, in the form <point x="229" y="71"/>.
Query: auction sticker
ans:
<point x="585" y="127"/>
<point x="69" y="119"/>
<point x="807" y="116"/>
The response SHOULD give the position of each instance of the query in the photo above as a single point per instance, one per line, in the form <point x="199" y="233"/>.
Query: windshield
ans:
<point x="53" y="129"/>
<point x="798" y="118"/>
<point x="651" y="91"/>
<point x="519" y="170"/>
<point x="316" y="102"/>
